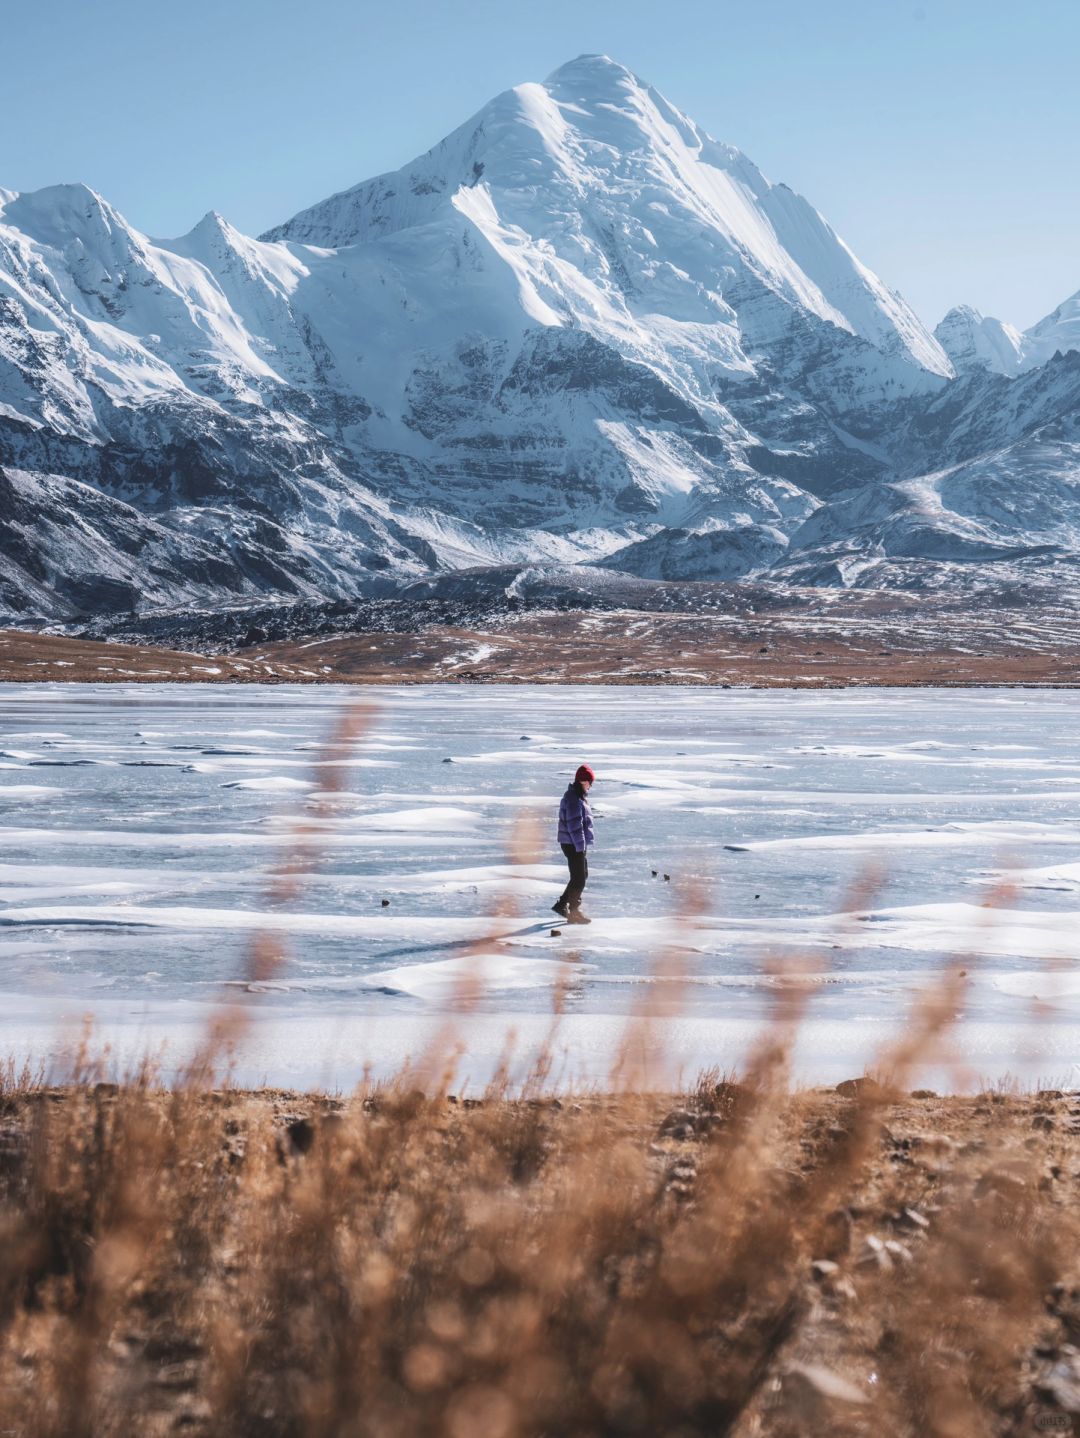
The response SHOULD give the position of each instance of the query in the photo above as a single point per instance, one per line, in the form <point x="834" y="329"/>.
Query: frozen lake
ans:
<point x="858" y="833"/>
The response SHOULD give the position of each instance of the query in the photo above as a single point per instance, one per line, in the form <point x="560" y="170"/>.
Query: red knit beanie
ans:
<point x="584" y="772"/>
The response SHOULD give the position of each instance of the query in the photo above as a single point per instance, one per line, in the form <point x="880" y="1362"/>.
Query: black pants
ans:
<point x="579" y="873"/>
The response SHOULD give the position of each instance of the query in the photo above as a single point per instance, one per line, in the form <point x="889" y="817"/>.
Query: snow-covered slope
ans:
<point x="718" y="552"/>
<point x="1058" y="333"/>
<point x="1003" y="510"/>
<point x="579" y="330"/>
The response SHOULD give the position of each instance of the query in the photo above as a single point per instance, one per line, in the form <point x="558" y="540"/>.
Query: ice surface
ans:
<point x="447" y="978"/>
<point x="16" y="793"/>
<point x="844" y="842"/>
<point x="994" y="834"/>
<point x="272" y="784"/>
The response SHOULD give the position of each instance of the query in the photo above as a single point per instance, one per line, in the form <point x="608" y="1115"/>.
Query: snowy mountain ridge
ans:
<point x="578" y="330"/>
<point x="974" y="342"/>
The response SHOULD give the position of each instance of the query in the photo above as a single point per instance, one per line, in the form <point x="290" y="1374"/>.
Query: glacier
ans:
<point x="577" y="332"/>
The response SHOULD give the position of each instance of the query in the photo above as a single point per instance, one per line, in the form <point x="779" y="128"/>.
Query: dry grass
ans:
<point x="402" y="1263"/>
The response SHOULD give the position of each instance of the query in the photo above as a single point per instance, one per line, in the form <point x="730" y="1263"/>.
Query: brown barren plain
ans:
<point x="620" y="647"/>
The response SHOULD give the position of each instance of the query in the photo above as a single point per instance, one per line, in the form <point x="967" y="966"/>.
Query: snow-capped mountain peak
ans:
<point x="577" y="330"/>
<point x="77" y="223"/>
<point x="212" y="228"/>
<point x="612" y="199"/>
<point x="976" y="342"/>
<point x="60" y="212"/>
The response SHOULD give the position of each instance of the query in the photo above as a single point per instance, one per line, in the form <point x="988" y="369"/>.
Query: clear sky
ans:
<point x="939" y="137"/>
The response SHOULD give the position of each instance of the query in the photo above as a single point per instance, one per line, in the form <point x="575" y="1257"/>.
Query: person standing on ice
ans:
<point x="575" y="837"/>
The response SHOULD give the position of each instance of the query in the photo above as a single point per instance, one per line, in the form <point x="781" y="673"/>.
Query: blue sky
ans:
<point x="939" y="137"/>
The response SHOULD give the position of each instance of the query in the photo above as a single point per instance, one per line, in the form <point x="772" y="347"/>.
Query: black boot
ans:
<point x="560" y="908"/>
<point x="575" y="916"/>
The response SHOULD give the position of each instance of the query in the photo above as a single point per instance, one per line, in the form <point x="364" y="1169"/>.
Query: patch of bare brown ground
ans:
<point x="37" y="657"/>
<point x="627" y="647"/>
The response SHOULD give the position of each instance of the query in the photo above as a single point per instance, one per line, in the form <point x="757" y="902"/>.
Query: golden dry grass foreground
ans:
<point x="405" y="1262"/>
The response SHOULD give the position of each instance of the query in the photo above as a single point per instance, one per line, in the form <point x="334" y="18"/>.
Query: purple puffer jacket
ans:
<point x="575" y="819"/>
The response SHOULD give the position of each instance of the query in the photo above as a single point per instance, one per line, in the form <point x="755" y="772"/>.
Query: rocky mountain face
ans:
<point x="578" y="332"/>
